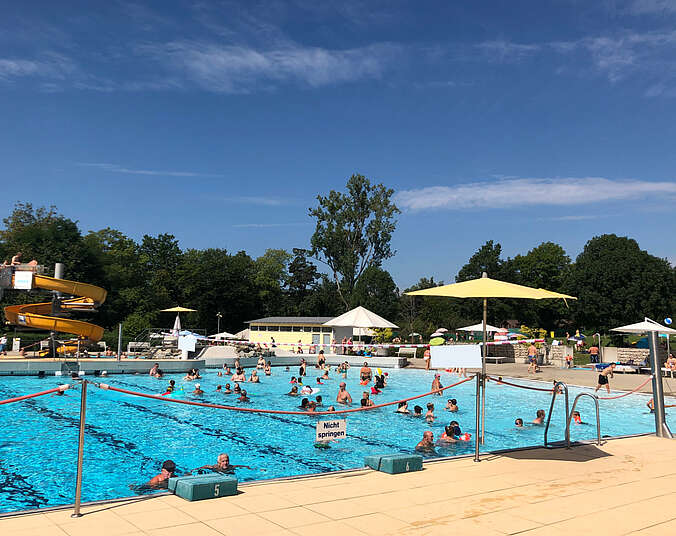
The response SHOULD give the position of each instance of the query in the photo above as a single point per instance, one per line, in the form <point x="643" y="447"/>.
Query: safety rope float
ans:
<point x="60" y="388"/>
<point x="273" y="411"/>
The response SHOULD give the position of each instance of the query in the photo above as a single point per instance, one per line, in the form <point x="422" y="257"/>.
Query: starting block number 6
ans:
<point x="216" y="489"/>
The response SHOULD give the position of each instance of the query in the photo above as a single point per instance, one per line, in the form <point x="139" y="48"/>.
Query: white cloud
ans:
<point x="507" y="51"/>
<point x="255" y="200"/>
<point x="530" y="191"/>
<point x="114" y="168"/>
<point x="644" y="7"/>
<point x="241" y="68"/>
<point x="49" y="65"/>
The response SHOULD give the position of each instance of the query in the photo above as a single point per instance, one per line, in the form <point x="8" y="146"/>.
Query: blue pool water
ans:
<point x="127" y="438"/>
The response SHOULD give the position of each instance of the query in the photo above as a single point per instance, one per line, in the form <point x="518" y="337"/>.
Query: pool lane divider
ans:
<point x="60" y="388"/>
<point x="107" y="387"/>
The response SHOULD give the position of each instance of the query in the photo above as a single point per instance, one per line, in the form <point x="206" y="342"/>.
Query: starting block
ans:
<point x="199" y="487"/>
<point x="395" y="463"/>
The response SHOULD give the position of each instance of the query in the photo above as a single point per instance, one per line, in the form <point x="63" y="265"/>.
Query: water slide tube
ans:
<point x="35" y="315"/>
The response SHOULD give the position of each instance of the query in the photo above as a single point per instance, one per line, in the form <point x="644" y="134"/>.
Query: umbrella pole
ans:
<point x="478" y="414"/>
<point x="484" y="351"/>
<point x="661" y="428"/>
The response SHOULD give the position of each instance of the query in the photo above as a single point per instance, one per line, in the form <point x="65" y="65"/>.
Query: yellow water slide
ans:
<point x="35" y="315"/>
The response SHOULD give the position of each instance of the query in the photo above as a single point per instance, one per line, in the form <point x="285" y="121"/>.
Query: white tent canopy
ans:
<point x="646" y="326"/>
<point x="223" y="335"/>
<point x="360" y="318"/>
<point x="480" y="327"/>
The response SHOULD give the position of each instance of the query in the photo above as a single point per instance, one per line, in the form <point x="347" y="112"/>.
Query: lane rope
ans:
<point x="273" y="411"/>
<point x="34" y="395"/>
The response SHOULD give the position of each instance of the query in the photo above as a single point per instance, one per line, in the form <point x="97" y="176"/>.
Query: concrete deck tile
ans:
<point x="290" y="518"/>
<point x="212" y="509"/>
<point x="329" y="528"/>
<point x="261" y="503"/>
<point x="36" y="531"/>
<point x="9" y="524"/>
<point x="249" y="524"/>
<point x="661" y="529"/>
<point x="376" y="524"/>
<point x="505" y="522"/>
<point x="192" y="529"/>
<point x="100" y="525"/>
<point x="167" y="517"/>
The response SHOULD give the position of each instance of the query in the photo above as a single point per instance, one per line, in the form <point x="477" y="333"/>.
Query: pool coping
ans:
<point x="134" y="499"/>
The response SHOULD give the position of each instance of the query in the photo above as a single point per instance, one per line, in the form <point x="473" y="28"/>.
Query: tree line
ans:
<point x="616" y="282"/>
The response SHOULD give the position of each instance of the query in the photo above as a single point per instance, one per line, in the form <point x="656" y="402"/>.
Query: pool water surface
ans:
<point x="127" y="438"/>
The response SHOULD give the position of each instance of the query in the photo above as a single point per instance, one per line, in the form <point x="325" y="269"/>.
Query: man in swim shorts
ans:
<point x="162" y="480"/>
<point x="532" y="359"/>
<point x="603" y="377"/>
<point x="343" y="396"/>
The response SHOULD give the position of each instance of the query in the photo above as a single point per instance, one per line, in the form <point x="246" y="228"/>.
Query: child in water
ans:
<point x="429" y="416"/>
<point x="452" y="405"/>
<point x="417" y="411"/>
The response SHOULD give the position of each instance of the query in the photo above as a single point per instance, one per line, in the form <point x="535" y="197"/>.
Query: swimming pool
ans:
<point x="127" y="438"/>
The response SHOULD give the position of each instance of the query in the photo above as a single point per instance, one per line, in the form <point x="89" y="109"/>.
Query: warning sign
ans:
<point x="327" y="430"/>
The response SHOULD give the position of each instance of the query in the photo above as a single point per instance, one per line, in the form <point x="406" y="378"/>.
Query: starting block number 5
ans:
<point x="216" y="489"/>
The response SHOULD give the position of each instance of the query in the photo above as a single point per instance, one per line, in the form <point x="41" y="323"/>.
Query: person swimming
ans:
<point x="539" y="417"/>
<point x="294" y="391"/>
<point x="227" y="390"/>
<point x="518" y="423"/>
<point x="222" y="465"/>
<point x="417" y="411"/>
<point x="403" y="408"/>
<point x="452" y="405"/>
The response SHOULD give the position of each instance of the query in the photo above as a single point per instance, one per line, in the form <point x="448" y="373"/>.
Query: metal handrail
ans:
<point x="598" y="418"/>
<point x="551" y="407"/>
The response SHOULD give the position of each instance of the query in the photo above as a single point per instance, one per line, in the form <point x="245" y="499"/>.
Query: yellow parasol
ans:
<point x="485" y="288"/>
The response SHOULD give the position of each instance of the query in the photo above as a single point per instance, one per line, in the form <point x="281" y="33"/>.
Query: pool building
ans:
<point x="292" y="329"/>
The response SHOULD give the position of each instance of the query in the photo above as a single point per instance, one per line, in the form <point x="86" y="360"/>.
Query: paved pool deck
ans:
<point x="626" y="486"/>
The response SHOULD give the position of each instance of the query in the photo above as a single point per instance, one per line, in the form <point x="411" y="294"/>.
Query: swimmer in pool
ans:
<point x="426" y="444"/>
<point x="243" y="397"/>
<point x="254" y="377"/>
<point x="318" y="398"/>
<point x="162" y="480"/>
<point x="239" y="376"/>
<point x="452" y="405"/>
<point x="294" y="391"/>
<point x="577" y="417"/>
<point x="448" y="436"/>
<point x="222" y="465"/>
<point x="237" y="389"/>
<point x="227" y="390"/>
<point x="539" y="417"/>
<point x="429" y="416"/>
<point x="343" y="396"/>
<point x="417" y="411"/>
<point x="304" y="403"/>
<point x="518" y="423"/>
<point x="403" y="408"/>
<point x="198" y="390"/>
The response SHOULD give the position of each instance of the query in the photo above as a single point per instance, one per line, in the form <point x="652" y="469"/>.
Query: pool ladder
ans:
<point x="569" y="413"/>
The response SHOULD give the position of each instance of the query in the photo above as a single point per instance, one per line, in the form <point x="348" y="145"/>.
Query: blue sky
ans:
<point x="220" y="122"/>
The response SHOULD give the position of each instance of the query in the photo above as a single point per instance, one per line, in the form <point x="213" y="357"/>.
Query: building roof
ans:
<point x="291" y="320"/>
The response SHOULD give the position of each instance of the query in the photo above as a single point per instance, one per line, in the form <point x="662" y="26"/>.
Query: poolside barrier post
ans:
<point x="478" y="414"/>
<point x="661" y="428"/>
<point x="80" y="449"/>
<point x="119" y="341"/>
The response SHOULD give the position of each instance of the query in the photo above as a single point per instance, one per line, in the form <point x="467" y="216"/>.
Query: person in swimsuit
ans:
<point x="448" y="435"/>
<point x="319" y="400"/>
<point x="238" y="376"/>
<point x="268" y="369"/>
<point x="426" y="444"/>
<point x="222" y="465"/>
<point x="365" y="373"/>
<point x="365" y="396"/>
<point x="436" y="385"/>
<point x="417" y="411"/>
<point x="651" y="405"/>
<point x="518" y="423"/>
<point x="603" y="377"/>
<point x="403" y="408"/>
<point x="539" y="417"/>
<point x="237" y="389"/>
<point x="254" y="377"/>
<point x="198" y="390"/>
<point x="294" y="391"/>
<point x="261" y="363"/>
<point x="227" y="391"/>
<point x="162" y="480"/>
<point x="532" y="359"/>
<point x="429" y="416"/>
<point x="343" y="396"/>
<point x="452" y="405"/>
<point x="243" y="397"/>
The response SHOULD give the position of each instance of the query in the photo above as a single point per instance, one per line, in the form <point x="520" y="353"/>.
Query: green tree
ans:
<point x="302" y="281"/>
<point x="353" y="231"/>
<point x="270" y="279"/>
<point x="618" y="283"/>
<point x="377" y="291"/>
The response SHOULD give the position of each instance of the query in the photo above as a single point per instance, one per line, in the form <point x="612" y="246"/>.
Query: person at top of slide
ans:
<point x="16" y="259"/>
